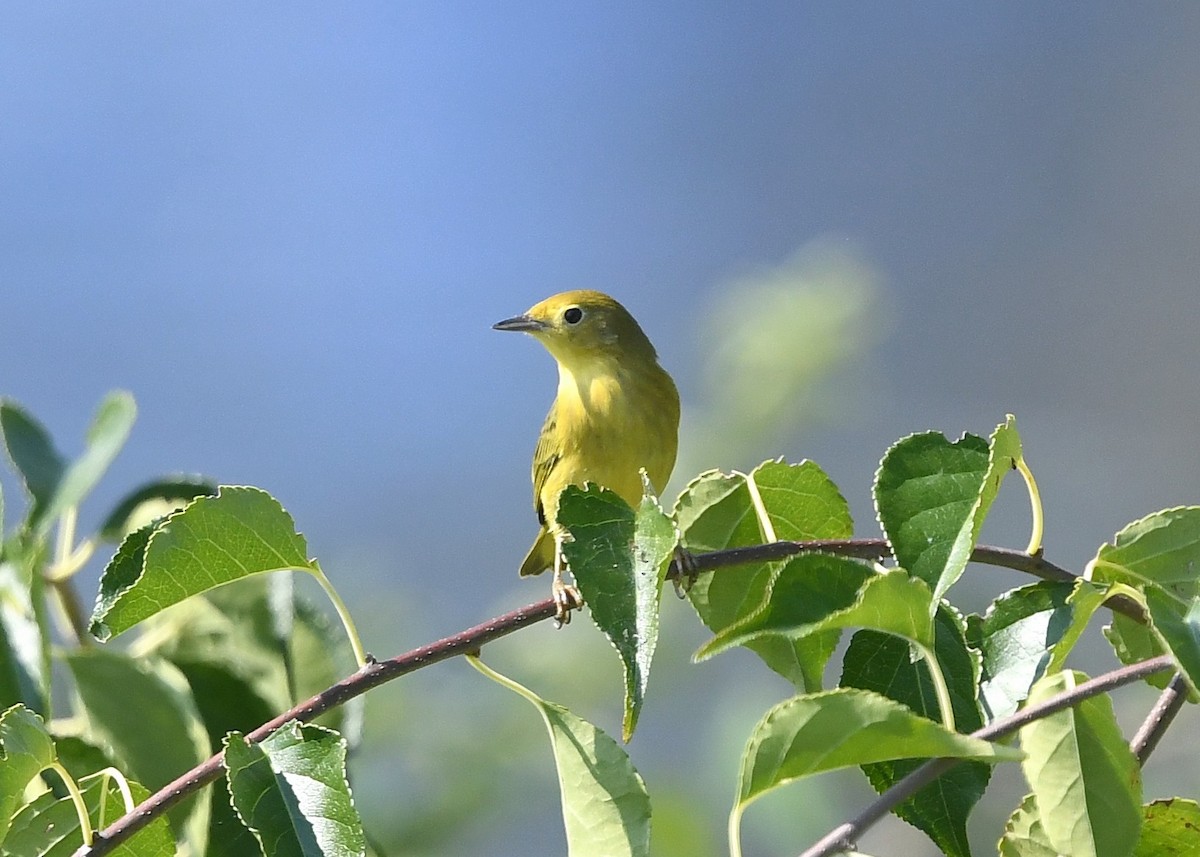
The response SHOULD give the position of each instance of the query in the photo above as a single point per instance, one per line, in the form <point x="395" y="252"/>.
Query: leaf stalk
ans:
<point x="1035" y="503"/>
<point x="360" y="655"/>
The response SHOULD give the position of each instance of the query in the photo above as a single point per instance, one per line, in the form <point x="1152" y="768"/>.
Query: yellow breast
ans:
<point x="612" y="423"/>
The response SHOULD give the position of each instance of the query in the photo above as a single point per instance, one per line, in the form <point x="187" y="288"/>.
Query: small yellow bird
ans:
<point x="616" y="411"/>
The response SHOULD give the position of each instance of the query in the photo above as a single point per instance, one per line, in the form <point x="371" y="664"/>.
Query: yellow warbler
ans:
<point x="616" y="411"/>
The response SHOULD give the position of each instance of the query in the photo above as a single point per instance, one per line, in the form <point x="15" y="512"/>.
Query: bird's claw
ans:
<point x="686" y="571"/>
<point x="566" y="599"/>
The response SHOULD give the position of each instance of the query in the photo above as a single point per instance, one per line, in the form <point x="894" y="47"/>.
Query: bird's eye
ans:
<point x="573" y="315"/>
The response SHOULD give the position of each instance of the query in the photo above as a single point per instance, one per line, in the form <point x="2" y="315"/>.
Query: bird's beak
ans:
<point x="522" y="323"/>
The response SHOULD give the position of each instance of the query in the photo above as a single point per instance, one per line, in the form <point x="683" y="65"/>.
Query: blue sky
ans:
<point x="288" y="228"/>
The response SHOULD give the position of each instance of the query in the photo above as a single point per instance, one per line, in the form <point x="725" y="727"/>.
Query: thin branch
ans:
<point x="373" y="674"/>
<point x="842" y="838"/>
<point x="1155" y="725"/>
<point x="1034" y="564"/>
<point x="875" y="549"/>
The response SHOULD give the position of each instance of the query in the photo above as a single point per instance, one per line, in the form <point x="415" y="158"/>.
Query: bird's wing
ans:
<point x="547" y="455"/>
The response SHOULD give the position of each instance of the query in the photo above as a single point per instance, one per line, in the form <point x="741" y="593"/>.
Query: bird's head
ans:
<point x="583" y="326"/>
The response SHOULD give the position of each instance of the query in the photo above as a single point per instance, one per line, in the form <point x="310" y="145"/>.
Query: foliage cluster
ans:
<point x="230" y="679"/>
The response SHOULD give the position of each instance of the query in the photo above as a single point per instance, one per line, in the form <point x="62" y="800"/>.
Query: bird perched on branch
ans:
<point x="616" y="412"/>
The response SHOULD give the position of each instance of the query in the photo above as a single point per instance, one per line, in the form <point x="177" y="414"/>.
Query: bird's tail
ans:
<point x="540" y="556"/>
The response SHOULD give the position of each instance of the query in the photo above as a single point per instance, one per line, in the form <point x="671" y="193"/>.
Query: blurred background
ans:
<point x="287" y="230"/>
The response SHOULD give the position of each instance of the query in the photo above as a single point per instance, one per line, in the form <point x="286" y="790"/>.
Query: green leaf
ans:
<point x="147" y="503"/>
<point x="25" y="750"/>
<point x="1162" y="550"/>
<point x="291" y="791"/>
<point x="106" y="435"/>
<point x="1171" y="627"/>
<point x="122" y="574"/>
<point x="213" y="540"/>
<point x="802" y="502"/>
<point x="883" y="663"/>
<point x="1085" y="779"/>
<point x="106" y="682"/>
<point x="819" y="732"/>
<point x="227" y="836"/>
<point x="1134" y="642"/>
<point x="24" y="640"/>
<point x="1024" y="835"/>
<point x="1158" y="557"/>
<point x="54" y="485"/>
<point x="933" y="495"/>
<point x="1004" y="451"/>
<point x="49" y="827"/>
<point x="1026" y="633"/>
<point x="33" y="456"/>
<point x="816" y="593"/>
<point x="1178" y="627"/>
<point x="1169" y="829"/>
<point x="715" y="512"/>
<point x="619" y="558"/>
<point x="606" y="810"/>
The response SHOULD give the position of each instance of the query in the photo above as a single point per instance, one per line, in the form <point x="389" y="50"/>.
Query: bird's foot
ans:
<point x="686" y="571"/>
<point x="566" y="599"/>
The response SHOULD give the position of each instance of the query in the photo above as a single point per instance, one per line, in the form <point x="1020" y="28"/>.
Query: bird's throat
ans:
<point x="593" y="389"/>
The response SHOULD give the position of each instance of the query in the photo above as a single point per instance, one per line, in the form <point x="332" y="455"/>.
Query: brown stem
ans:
<point x="1034" y="564"/>
<point x="1169" y="702"/>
